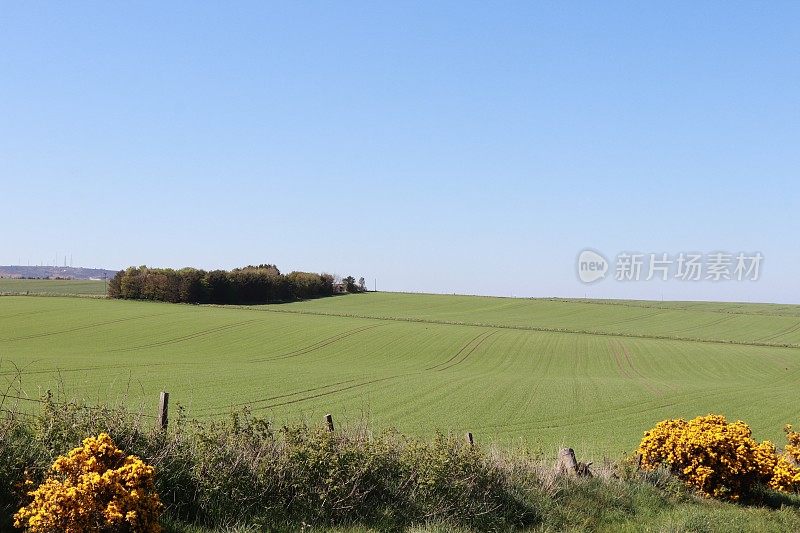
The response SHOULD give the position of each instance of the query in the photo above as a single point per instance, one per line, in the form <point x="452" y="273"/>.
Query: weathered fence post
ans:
<point x="567" y="464"/>
<point x="469" y="438"/>
<point x="329" y="421"/>
<point x="163" y="408"/>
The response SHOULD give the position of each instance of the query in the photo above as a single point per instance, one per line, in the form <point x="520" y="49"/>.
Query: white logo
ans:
<point x="591" y="266"/>
<point x="685" y="266"/>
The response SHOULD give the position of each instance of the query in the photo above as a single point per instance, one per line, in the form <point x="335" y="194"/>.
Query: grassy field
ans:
<point x="590" y="374"/>
<point x="67" y="287"/>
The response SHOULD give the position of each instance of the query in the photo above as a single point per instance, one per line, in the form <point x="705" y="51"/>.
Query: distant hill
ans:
<point x="50" y="272"/>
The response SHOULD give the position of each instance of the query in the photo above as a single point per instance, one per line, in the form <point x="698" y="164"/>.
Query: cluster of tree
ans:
<point x="248" y="285"/>
<point x="348" y="284"/>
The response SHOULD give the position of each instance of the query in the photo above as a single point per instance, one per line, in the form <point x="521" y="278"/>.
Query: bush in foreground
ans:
<point x="94" y="487"/>
<point x="719" y="458"/>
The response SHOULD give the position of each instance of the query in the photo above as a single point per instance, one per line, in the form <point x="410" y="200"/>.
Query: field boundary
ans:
<point x="56" y="295"/>
<point x="649" y="304"/>
<point x="543" y="329"/>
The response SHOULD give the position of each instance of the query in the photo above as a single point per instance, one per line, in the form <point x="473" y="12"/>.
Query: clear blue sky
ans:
<point x="435" y="146"/>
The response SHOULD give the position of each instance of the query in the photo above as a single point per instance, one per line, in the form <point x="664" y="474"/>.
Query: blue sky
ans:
<point x="442" y="147"/>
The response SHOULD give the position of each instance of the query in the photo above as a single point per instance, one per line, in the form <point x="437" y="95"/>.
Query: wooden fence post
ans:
<point x="329" y="421"/>
<point x="567" y="464"/>
<point x="469" y="438"/>
<point x="163" y="408"/>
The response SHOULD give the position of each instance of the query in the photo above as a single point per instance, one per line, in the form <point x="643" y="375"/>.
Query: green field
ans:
<point x="67" y="287"/>
<point x="543" y="373"/>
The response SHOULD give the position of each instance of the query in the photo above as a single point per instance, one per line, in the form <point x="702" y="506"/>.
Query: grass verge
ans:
<point x="244" y="475"/>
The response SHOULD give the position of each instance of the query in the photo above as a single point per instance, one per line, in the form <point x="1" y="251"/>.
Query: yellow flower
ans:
<point x="94" y="487"/>
<point x="721" y="459"/>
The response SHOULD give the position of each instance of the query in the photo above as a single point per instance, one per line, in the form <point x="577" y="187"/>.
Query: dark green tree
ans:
<point x="350" y="284"/>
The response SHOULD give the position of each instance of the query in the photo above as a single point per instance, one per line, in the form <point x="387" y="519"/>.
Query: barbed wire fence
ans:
<point x="12" y="395"/>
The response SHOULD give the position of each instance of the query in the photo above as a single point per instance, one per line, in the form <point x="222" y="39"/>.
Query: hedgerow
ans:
<point x="245" y="471"/>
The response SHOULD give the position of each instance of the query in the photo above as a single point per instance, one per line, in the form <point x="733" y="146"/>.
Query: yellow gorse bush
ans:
<point x="792" y="449"/>
<point x="94" y="488"/>
<point x="720" y="458"/>
<point x="786" y="474"/>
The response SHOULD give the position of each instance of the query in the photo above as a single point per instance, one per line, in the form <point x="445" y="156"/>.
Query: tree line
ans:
<point x="247" y="285"/>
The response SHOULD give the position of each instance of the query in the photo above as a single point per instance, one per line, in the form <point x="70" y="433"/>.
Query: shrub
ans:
<point x="792" y="449"/>
<point x="786" y="474"/>
<point x="718" y="458"/>
<point x="15" y="458"/>
<point x="302" y="474"/>
<point x="94" y="488"/>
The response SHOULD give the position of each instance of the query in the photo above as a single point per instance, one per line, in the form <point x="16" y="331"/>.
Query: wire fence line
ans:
<point x="4" y="396"/>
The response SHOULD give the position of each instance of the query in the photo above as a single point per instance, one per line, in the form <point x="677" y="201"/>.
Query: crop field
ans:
<point x="593" y="375"/>
<point x="66" y="287"/>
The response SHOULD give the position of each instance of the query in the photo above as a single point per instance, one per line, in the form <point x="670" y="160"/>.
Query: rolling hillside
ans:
<point x="590" y="374"/>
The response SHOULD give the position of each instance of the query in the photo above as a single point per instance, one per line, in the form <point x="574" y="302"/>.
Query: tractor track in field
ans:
<point x="707" y="324"/>
<point x="80" y="328"/>
<point x="547" y="364"/>
<point x="272" y="398"/>
<point x="541" y="369"/>
<point x="630" y="409"/>
<point x="125" y="366"/>
<point x="311" y="396"/>
<point x="483" y="334"/>
<point x="623" y="359"/>
<point x="317" y="345"/>
<point x="195" y="335"/>
<point x="621" y="370"/>
<point x="635" y="319"/>
<point x="542" y="329"/>
<point x="787" y="331"/>
<point x="658" y="387"/>
<point x="671" y="401"/>
<point x="27" y="313"/>
<point x="467" y="353"/>
<point x="327" y="393"/>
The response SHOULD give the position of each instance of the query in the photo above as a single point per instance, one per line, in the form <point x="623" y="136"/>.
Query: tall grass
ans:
<point x="243" y="474"/>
